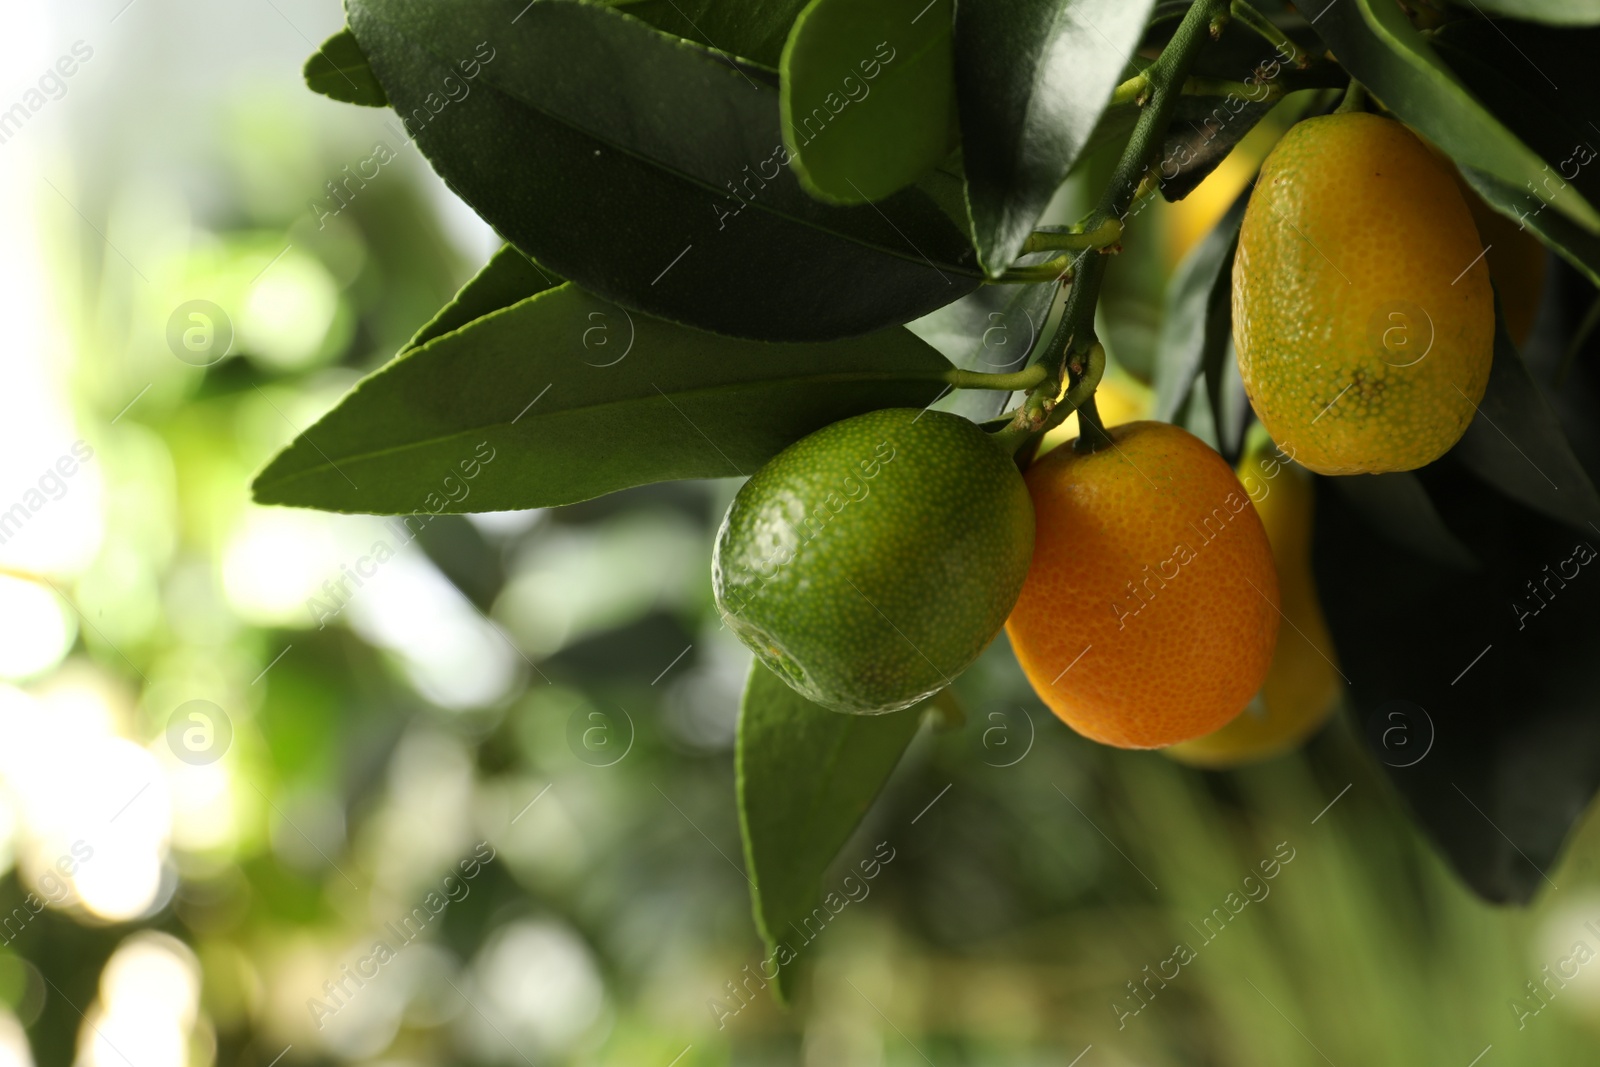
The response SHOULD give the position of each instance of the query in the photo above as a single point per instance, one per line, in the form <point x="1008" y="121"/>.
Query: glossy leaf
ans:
<point x="752" y="29"/>
<point x="1557" y="12"/>
<point x="1204" y="130"/>
<point x="868" y="95"/>
<point x="689" y="216"/>
<point x="1566" y="238"/>
<point x="1197" y="318"/>
<point x="339" y="69"/>
<point x="563" y="397"/>
<point x="806" y="777"/>
<point x="508" y="277"/>
<point x="1476" y="690"/>
<point x="1032" y="78"/>
<point x="1378" y="46"/>
<point x="1516" y="444"/>
<point x="992" y="330"/>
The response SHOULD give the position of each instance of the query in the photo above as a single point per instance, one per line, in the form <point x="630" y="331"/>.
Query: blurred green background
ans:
<point x="238" y="753"/>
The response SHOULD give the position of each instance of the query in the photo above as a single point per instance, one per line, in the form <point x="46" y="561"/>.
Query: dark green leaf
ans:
<point x="1197" y="318"/>
<point x="868" y="95"/>
<point x="806" y="777"/>
<point x="1516" y="444"/>
<point x="752" y="29"/>
<point x="1476" y="689"/>
<point x="339" y="70"/>
<point x="992" y="331"/>
<point x="1378" y="46"/>
<point x="563" y="397"/>
<point x="507" y="278"/>
<point x="689" y="214"/>
<point x="1572" y="243"/>
<point x="1558" y="12"/>
<point x="1397" y="506"/>
<point x="1033" y="77"/>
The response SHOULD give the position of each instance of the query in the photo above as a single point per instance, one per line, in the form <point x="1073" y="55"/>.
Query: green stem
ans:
<point x="1092" y="435"/>
<point x="1026" y="378"/>
<point x="1055" y="269"/>
<point x="1355" y="99"/>
<point x="1105" y="235"/>
<point x="1074" y="337"/>
<point x="1268" y="30"/>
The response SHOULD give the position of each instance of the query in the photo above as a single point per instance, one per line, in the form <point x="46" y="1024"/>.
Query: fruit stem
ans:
<point x="1026" y="378"/>
<point x="1076" y="239"/>
<point x="1268" y="30"/>
<point x="1055" y="269"/>
<point x="1092" y="435"/>
<point x="1074" y="337"/>
<point x="1355" y="99"/>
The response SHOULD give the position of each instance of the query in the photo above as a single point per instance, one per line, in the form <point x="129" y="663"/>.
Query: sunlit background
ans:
<point x="237" y="756"/>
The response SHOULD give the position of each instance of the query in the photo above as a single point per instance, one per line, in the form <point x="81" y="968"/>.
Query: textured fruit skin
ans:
<point x="871" y="562"/>
<point x="1302" y="687"/>
<point x="1357" y="251"/>
<point x="1149" y="556"/>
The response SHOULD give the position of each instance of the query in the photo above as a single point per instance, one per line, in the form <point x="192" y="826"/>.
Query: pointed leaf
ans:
<point x="563" y="397"/>
<point x="508" y="277"/>
<point x="339" y="69"/>
<point x="1397" y="506"/>
<point x="806" y="777"/>
<point x="650" y="171"/>
<point x="868" y="95"/>
<point x="1032" y="78"/>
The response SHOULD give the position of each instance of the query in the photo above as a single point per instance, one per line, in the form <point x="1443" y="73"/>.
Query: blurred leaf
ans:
<point x="465" y="556"/>
<point x="1515" y="443"/>
<point x="532" y="398"/>
<point x="849" y="148"/>
<point x="1559" y="12"/>
<point x="339" y="70"/>
<point x="752" y="29"/>
<point x="1569" y="241"/>
<point x="1477" y="689"/>
<point x="806" y="777"/>
<point x="1197" y="318"/>
<point x="991" y="330"/>
<point x="1378" y="46"/>
<point x="1033" y="78"/>
<point x="1204" y="130"/>
<point x="1397" y="506"/>
<point x="507" y="278"/>
<point x="686" y="218"/>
